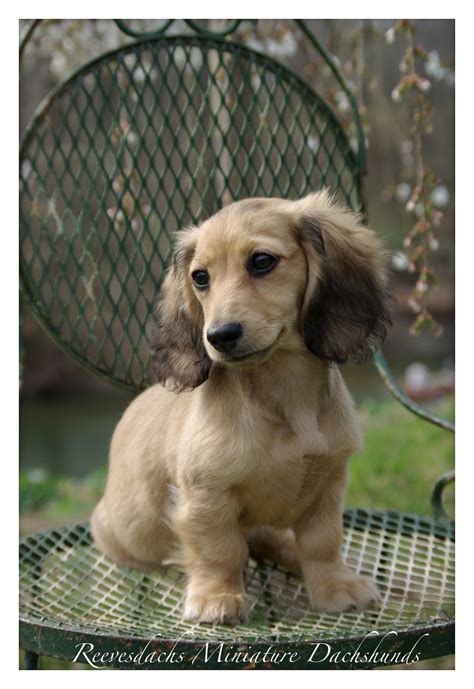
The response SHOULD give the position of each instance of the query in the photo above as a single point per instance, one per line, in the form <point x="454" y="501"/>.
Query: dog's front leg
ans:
<point x="331" y="585"/>
<point x="215" y="552"/>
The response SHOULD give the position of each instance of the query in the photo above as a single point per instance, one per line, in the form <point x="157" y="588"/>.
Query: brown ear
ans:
<point x="180" y="360"/>
<point x="345" y="310"/>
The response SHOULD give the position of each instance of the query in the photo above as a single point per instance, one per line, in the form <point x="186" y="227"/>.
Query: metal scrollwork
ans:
<point x="437" y="496"/>
<point x="159" y="31"/>
<point x="193" y="24"/>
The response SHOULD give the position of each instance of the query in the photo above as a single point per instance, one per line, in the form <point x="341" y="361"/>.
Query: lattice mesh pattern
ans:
<point x="65" y="582"/>
<point x="138" y="144"/>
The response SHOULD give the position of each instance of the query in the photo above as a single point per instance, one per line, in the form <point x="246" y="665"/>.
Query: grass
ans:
<point x="402" y="458"/>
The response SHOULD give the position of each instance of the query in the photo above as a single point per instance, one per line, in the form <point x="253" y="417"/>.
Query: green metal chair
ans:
<point x="136" y="144"/>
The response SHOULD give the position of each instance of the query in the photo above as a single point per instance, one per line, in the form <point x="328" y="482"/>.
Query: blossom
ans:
<point x="400" y="261"/>
<point x="130" y="60"/>
<point x="416" y="375"/>
<point x="414" y="305"/>
<point x="440" y="196"/>
<point x="396" y="95"/>
<point x="435" y="69"/>
<point x="403" y="192"/>
<point x="58" y="65"/>
<point x="273" y="47"/>
<point x="256" y="81"/>
<point x="117" y="184"/>
<point x="421" y="286"/>
<point x="139" y="75"/>
<point x="26" y="169"/>
<point x="342" y="101"/>
<point x="254" y="44"/>
<point x="289" y="45"/>
<point x="390" y="35"/>
<point x="313" y="143"/>
<point x="132" y="138"/>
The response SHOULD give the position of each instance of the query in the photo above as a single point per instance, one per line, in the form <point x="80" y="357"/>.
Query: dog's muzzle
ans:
<point x="224" y="338"/>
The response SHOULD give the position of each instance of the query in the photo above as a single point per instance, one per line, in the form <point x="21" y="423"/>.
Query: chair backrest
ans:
<point x="139" y="143"/>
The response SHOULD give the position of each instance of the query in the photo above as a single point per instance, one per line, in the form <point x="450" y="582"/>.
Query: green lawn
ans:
<point x="402" y="458"/>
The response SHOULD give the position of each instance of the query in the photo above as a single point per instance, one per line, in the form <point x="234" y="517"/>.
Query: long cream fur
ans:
<point x="228" y="452"/>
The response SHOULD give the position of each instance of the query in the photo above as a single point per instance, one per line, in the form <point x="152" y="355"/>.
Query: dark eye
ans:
<point x="200" y="278"/>
<point x="261" y="263"/>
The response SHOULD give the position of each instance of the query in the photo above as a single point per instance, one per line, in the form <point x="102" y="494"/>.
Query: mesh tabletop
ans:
<point x="66" y="583"/>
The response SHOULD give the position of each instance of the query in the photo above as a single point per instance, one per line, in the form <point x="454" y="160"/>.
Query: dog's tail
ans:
<point x="276" y="545"/>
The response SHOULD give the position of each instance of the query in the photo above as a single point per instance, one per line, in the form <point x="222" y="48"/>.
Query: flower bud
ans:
<point x="390" y="35"/>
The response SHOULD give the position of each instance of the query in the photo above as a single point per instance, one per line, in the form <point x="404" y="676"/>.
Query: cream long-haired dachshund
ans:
<point x="245" y="441"/>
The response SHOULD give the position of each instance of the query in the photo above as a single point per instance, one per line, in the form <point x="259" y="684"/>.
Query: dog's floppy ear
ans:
<point x="345" y="309"/>
<point x="180" y="360"/>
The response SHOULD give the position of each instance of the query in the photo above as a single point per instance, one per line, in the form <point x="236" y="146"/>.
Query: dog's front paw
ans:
<point x="342" y="591"/>
<point x="221" y="608"/>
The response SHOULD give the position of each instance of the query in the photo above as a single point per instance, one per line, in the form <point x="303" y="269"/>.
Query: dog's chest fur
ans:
<point x="273" y="441"/>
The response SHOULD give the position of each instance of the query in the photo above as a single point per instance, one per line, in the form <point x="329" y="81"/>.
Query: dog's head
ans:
<point x="264" y="275"/>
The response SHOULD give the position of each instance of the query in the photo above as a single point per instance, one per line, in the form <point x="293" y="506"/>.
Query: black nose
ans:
<point x="224" y="337"/>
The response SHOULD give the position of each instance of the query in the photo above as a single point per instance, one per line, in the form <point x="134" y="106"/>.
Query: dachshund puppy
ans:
<point x="247" y="437"/>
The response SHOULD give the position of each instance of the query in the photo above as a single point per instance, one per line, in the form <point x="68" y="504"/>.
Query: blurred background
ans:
<point x="67" y="415"/>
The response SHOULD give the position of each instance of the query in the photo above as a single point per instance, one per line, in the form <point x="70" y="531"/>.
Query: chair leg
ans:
<point x="31" y="660"/>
